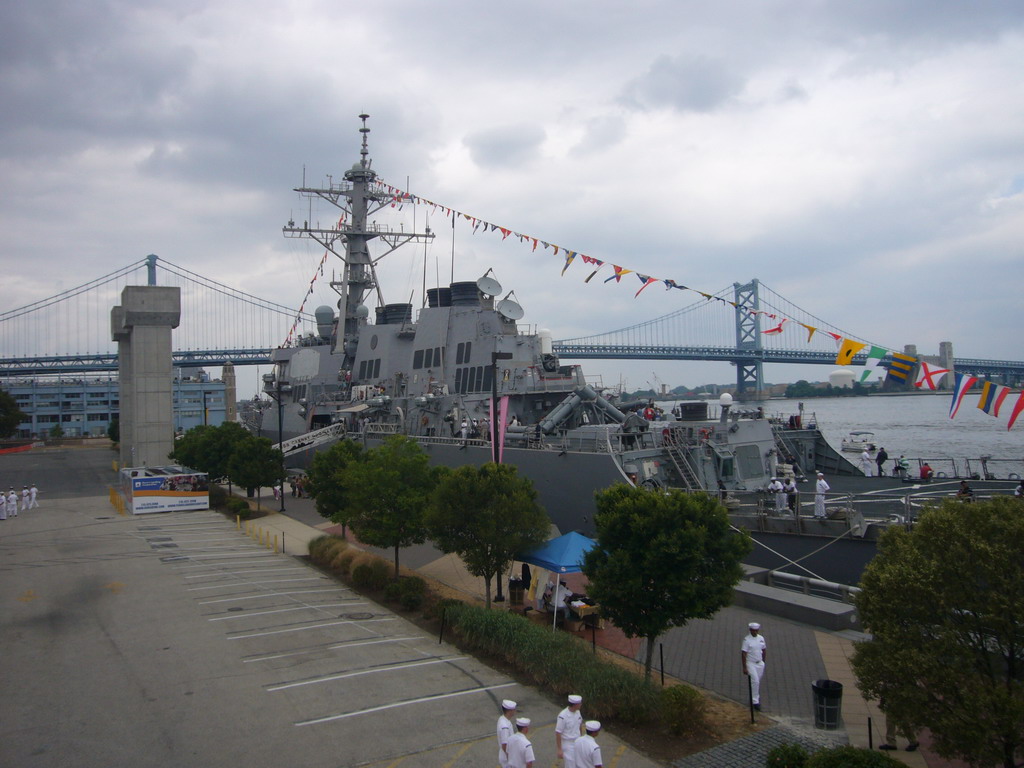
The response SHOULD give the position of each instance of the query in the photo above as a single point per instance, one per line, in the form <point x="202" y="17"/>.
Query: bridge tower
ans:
<point x="749" y="374"/>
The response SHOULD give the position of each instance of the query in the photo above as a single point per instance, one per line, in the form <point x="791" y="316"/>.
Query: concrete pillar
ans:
<point x="141" y="325"/>
<point x="230" y="394"/>
<point x="946" y="361"/>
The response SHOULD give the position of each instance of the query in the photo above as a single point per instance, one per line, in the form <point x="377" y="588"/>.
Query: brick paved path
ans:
<point x="751" y="751"/>
<point x="707" y="653"/>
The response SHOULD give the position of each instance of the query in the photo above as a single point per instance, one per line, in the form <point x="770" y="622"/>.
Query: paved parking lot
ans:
<point x="174" y="639"/>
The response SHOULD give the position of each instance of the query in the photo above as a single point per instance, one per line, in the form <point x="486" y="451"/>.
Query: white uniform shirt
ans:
<point x="821" y="487"/>
<point x="588" y="752"/>
<point x="569" y="724"/>
<point x="520" y="751"/>
<point x="790" y="486"/>
<point x="12" y="502"/>
<point x="505" y="732"/>
<point x="754" y="647"/>
<point x="775" y="486"/>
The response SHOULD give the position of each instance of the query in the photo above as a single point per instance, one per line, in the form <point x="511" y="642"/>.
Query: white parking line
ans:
<point x="358" y="622"/>
<point x="237" y="573"/>
<point x="329" y="718"/>
<point x="249" y="583"/>
<point x="269" y="594"/>
<point x="285" y="610"/>
<point x="361" y="672"/>
<point x="336" y="646"/>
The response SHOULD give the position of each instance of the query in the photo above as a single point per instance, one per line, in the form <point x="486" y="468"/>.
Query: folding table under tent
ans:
<point x="561" y="555"/>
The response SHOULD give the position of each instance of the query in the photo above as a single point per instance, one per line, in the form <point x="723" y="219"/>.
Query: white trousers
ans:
<point x="819" y="505"/>
<point x="569" y="752"/>
<point x="755" y="669"/>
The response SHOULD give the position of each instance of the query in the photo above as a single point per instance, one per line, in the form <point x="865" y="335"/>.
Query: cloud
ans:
<point x="508" y="146"/>
<point x="684" y="83"/>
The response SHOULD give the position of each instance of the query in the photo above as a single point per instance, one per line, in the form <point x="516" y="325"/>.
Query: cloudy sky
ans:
<point x="863" y="159"/>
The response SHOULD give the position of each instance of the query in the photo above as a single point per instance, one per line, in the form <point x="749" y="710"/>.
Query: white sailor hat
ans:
<point x="523" y="722"/>
<point x="508" y="704"/>
<point x="575" y="698"/>
<point x="593" y="726"/>
<point x="754" y="625"/>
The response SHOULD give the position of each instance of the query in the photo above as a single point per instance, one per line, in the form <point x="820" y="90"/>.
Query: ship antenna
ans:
<point x="365" y="131"/>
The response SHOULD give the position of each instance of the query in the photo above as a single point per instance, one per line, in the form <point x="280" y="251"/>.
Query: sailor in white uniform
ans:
<point x="12" y="503"/>
<point x="776" y="487"/>
<point x="32" y="496"/>
<point x="865" y="463"/>
<point x="752" y="654"/>
<point x="505" y="729"/>
<point x="567" y="730"/>
<point x="820" y="489"/>
<point x="520" y="748"/>
<point x="24" y="498"/>
<point x="588" y="751"/>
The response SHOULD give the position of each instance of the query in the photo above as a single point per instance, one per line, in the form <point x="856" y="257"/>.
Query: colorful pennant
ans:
<point x="963" y="382"/>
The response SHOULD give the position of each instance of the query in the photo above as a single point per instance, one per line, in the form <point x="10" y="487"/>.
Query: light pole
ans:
<point x="274" y="386"/>
<point x="495" y="357"/>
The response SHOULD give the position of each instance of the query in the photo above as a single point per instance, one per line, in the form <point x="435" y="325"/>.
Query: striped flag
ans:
<point x="901" y="366"/>
<point x="992" y="396"/>
<point x="1017" y="408"/>
<point x="963" y="383"/>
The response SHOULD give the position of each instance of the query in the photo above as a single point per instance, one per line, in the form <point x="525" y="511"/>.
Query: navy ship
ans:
<point x="439" y="375"/>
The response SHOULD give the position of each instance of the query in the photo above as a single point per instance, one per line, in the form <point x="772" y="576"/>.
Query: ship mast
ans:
<point x="358" y="198"/>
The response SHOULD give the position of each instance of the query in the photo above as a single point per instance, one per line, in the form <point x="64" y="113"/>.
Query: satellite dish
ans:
<point x="509" y="309"/>
<point x="488" y="285"/>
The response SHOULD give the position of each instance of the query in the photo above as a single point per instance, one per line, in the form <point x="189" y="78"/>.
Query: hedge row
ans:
<point x="555" y="661"/>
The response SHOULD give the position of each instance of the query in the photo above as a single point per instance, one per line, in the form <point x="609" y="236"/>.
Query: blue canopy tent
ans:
<point x="561" y="555"/>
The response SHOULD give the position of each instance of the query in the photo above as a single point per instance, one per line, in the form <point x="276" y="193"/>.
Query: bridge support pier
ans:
<point x="749" y="375"/>
<point x="141" y="325"/>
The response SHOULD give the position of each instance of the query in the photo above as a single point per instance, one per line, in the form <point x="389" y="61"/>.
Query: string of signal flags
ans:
<point x="900" y="368"/>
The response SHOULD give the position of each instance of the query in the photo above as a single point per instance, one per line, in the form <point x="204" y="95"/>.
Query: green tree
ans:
<point x="326" y="478"/>
<point x="56" y="431"/>
<point x="485" y="515"/>
<point x="209" y="449"/>
<point x="114" y="430"/>
<point x="662" y="558"/>
<point x="254" y="463"/>
<point x="11" y="416"/>
<point x="388" y="493"/>
<point x="945" y="605"/>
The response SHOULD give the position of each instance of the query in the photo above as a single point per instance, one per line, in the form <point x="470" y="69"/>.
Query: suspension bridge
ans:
<point x="69" y="333"/>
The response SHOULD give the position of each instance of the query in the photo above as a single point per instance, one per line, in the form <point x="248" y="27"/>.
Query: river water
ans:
<point x="915" y="425"/>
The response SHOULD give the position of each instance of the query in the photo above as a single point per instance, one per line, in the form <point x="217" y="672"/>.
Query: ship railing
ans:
<point x="808" y="585"/>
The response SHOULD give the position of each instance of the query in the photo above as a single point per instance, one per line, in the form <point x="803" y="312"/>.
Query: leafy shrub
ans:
<point x="239" y="507"/>
<point x="393" y="592"/>
<point x="684" y="710"/>
<point x="850" y="757"/>
<point x="342" y="562"/>
<point x="218" y="496"/>
<point x="316" y="547"/>
<point x="412" y="590"/>
<point x="556" y="661"/>
<point x="787" y="756"/>
<point x="371" y="575"/>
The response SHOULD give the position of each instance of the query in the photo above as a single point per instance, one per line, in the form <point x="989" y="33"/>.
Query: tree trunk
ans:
<point x="487" y="590"/>
<point x="649" y="660"/>
<point x="396" y="561"/>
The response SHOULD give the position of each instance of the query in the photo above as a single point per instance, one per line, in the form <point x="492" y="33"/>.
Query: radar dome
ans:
<point x="324" y="320"/>
<point x="362" y="311"/>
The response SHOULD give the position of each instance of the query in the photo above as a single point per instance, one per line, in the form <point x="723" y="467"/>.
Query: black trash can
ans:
<point x="515" y="592"/>
<point x="828" y="703"/>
